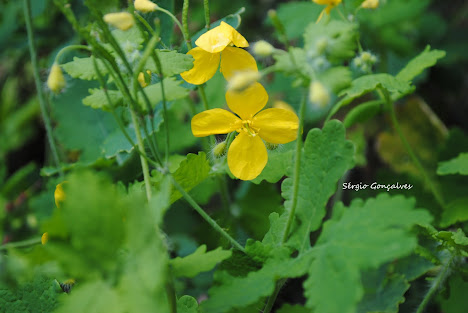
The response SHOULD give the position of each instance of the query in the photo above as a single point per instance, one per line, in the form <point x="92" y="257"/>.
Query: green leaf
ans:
<point x="172" y="88"/>
<point x="191" y="172"/>
<point x="83" y="68"/>
<point x="337" y="38"/>
<point x="456" y="211"/>
<point x="327" y="155"/>
<point x="172" y="62"/>
<point x="458" y="165"/>
<point x="240" y="292"/>
<point x="363" y="112"/>
<point x="128" y="38"/>
<point x="296" y="16"/>
<point x="292" y="62"/>
<point x="425" y="59"/>
<point x="278" y="223"/>
<point x="456" y="302"/>
<point x="335" y="78"/>
<point x="187" y="304"/>
<point x="278" y="163"/>
<point x="366" y="235"/>
<point x="198" y="262"/>
<point x="98" y="100"/>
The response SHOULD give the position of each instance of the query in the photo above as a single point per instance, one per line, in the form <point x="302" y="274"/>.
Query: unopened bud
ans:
<point x="45" y="238"/>
<point x="59" y="194"/>
<point x="370" y="4"/>
<point x="144" y="79"/>
<point x="279" y="104"/>
<point x="271" y="146"/>
<point x="318" y="94"/>
<point x="122" y="20"/>
<point x="220" y="149"/>
<point x="242" y="80"/>
<point x="145" y="6"/>
<point x="262" y="49"/>
<point x="56" y="80"/>
<point x="366" y="56"/>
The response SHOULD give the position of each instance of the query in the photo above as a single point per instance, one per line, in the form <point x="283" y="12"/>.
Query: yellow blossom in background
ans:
<point x="145" y="6"/>
<point x="330" y="4"/>
<point x="280" y="104"/>
<point x="318" y="94"/>
<point x="142" y="80"/>
<point x="370" y="4"/>
<point x="122" y="20"/>
<point x="216" y="48"/>
<point x="242" y="80"/>
<point x="262" y="48"/>
<point x="59" y="194"/>
<point x="56" y="80"/>
<point x="45" y="238"/>
<point x="247" y="154"/>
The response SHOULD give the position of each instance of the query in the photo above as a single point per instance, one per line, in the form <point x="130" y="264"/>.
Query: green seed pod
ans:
<point x="220" y="150"/>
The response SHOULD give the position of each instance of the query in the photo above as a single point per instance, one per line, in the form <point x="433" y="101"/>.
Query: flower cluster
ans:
<point x="247" y="154"/>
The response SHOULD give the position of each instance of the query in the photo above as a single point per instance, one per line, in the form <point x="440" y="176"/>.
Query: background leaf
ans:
<point x="198" y="262"/>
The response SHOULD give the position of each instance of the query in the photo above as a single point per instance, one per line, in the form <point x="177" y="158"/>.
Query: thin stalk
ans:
<point x="206" y="6"/>
<point x="37" y="80"/>
<point x="272" y="298"/>
<point x="205" y="216"/>
<point x="184" y="34"/>
<point x="21" y="244"/>
<point x="201" y="92"/>
<point x="437" y="283"/>
<point x="224" y="191"/>
<point x="297" y="169"/>
<point x="185" y="30"/>
<point x="68" y="48"/>
<point x="143" y="160"/>
<point x="410" y="151"/>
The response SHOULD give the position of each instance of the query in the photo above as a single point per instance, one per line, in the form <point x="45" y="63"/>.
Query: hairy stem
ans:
<point x="185" y="30"/>
<point x="21" y="244"/>
<point x="37" y="80"/>
<point x="206" y="6"/>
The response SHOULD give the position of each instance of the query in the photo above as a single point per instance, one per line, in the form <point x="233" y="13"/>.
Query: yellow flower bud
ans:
<point x="262" y="48"/>
<point x="45" y="238"/>
<point x="370" y="4"/>
<point x="56" y="80"/>
<point x="145" y="6"/>
<point x="59" y="194"/>
<point x="242" y="80"/>
<point x="121" y="20"/>
<point x="142" y="80"/>
<point x="318" y="94"/>
<point x="220" y="149"/>
<point x="278" y="104"/>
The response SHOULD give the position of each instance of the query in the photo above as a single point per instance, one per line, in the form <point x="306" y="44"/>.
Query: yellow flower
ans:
<point x="330" y="4"/>
<point x="59" y="194"/>
<point x="318" y="94"/>
<point x="218" y="44"/>
<point x="56" y="80"/>
<point x="145" y="6"/>
<point x="247" y="154"/>
<point x="45" y="238"/>
<point x="121" y="20"/>
<point x="370" y="4"/>
<point x="263" y="49"/>
<point x="142" y="80"/>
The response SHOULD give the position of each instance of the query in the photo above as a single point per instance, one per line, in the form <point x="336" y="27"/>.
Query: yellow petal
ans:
<point x="121" y="20"/>
<point x="236" y="59"/>
<point x="236" y="38"/>
<point x="248" y="102"/>
<point x="214" y="40"/>
<point x="145" y="6"/>
<point x="276" y="125"/>
<point x="215" y="121"/>
<point x="247" y="156"/>
<point x="204" y="67"/>
<point x="59" y="194"/>
<point x="44" y="238"/>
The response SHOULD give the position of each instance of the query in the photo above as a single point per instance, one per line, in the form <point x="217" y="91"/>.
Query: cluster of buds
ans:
<point x="364" y="61"/>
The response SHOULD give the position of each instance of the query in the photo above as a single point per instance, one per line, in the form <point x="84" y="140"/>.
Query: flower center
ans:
<point x="248" y="128"/>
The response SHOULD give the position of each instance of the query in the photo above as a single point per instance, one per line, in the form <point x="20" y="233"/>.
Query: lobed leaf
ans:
<point x="458" y="165"/>
<point x="172" y="89"/>
<point x="187" y="304"/>
<point x="98" y="100"/>
<point x="418" y="64"/>
<point x="365" y="236"/>
<point x="198" y="262"/>
<point x="172" y="62"/>
<point x="83" y="68"/>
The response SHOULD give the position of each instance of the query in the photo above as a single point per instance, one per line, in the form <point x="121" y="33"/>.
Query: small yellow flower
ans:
<point x="262" y="48"/>
<point x="247" y="154"/>
<point x="242" y="80"/>
<point x="370" y="4"/>
<point x="122" y="20"/>
<point x="45" y="238"/>
<point x="318" y="94"/>
<point x="330" y="4"/>
<point x="215" y="45"/>
<point x="59" y="194"/>
<point x="142" y="80"/>
<point x="145" y="6"/>
<point x="56" y="80"/>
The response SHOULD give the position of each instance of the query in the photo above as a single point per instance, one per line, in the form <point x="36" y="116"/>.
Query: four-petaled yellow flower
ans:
<point x="330" y="4"/>
<point x="247" y="154"/>
<point x="214" y="45"/>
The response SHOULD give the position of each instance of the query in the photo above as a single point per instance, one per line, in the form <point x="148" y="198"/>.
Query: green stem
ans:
<point x="297" y="169"/>
<point x="205" y="216"/>
<point x="410" y="151"/>
<point x="437" y="283"/>
<point x="21" y="244"/>
<point x="184" y="34"/>
<point x="272" y="298"/>
<point x="68" y="48"/>
<point x="206" y="6"/>
<point x="185" y="30"/>
<point x="143" y="160"/>
<point x="37" y="80"/>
